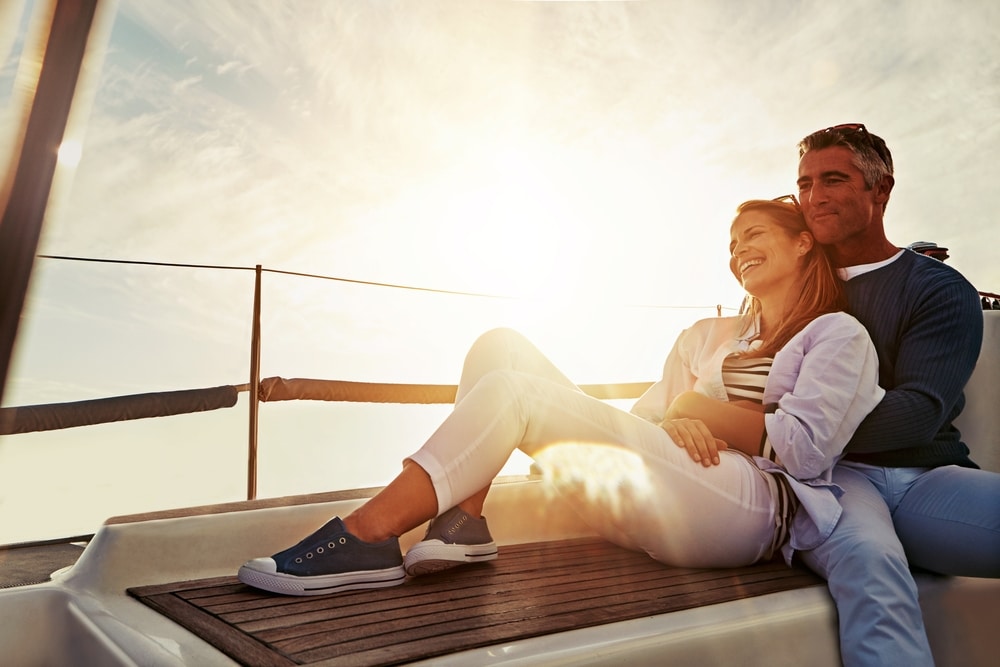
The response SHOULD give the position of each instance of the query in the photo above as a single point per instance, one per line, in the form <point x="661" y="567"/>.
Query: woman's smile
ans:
<point x="746" y="265"/>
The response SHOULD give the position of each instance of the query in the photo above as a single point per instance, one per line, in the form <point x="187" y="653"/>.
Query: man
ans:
<point x="912" y="496"/>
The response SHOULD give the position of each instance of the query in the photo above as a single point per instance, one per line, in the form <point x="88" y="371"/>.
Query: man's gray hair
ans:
<point x="871" y="155"/>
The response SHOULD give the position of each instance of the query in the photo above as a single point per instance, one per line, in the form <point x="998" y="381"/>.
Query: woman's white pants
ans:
<point x="623" y="474"/>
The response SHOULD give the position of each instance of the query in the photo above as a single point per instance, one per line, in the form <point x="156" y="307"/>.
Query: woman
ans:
<point x="730" y="451"/>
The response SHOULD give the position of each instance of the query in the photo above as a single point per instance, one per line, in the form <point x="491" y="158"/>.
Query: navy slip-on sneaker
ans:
<point x="329" y="560"/>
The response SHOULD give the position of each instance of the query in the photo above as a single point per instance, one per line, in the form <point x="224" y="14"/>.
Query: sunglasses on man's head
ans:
<point x="860" y="130"/>
<point x="846" y="127"/>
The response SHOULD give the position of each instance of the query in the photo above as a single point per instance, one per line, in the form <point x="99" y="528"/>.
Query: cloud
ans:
<point x="182" y="85"/>
<point x="230" y="66"/>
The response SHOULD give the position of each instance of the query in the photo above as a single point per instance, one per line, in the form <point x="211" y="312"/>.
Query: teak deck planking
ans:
<point x="530" y="590"/>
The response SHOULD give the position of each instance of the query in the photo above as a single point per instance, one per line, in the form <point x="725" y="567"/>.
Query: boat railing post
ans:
<point x="254" y="389"/>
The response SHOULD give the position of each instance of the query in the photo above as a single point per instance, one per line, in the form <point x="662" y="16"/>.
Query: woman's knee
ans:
<point x="499" y="338"/>
<point x="500" y="384"/>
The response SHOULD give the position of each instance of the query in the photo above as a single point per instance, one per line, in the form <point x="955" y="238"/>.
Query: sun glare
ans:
<point x="606" y="482"/>
<point x="569" y="249"/>
<point x="70" y="152"/>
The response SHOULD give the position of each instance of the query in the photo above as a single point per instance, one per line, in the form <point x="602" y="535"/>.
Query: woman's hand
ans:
<point x="720" y="425"/>
<point x="694" y="436"/>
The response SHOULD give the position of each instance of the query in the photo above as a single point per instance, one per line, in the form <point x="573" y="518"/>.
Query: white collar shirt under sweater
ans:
<point x="822" y="383"/>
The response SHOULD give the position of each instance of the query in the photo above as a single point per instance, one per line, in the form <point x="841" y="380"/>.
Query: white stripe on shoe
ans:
<point x="431" y="556"/>
<point x="256" y="573"/>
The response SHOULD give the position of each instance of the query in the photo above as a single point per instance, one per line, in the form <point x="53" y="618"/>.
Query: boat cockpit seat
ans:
<point x="979" y="422"/>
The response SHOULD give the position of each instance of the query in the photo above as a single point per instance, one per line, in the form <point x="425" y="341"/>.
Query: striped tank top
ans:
<point x="744" y="380"/>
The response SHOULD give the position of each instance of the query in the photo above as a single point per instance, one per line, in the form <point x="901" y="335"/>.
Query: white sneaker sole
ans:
<point x="289" y="584"/>
<point x="434" y="555"/>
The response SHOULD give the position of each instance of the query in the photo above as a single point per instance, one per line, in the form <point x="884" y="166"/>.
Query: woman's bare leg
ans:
<point x="474" y="504"/>
<point x="408" y="501"/>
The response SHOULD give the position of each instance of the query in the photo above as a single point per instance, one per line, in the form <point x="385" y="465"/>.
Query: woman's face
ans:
<point x="764" y="258"/>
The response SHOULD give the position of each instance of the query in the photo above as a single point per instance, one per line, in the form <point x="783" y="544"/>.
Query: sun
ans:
<point x="69" y="153"/>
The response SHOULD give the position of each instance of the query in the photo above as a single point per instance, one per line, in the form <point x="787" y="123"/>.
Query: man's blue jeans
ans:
<point x="946" y="520"/>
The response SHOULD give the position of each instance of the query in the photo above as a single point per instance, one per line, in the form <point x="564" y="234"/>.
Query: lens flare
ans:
<point x="70" y="152"/>
<point x="609" y="487"/>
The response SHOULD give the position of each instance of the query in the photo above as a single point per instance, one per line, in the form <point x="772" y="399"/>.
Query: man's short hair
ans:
<point x="871" y="155"/>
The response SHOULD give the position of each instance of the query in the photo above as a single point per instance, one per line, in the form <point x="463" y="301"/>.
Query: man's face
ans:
<point x="836" y="204"/>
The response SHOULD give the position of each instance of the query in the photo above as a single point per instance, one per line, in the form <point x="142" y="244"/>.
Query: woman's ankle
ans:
<point x="408" y="501"/>
<point x="475" y="510"/>
<point x="361" y="527"/>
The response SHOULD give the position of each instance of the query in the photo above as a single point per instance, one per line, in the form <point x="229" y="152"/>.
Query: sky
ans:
<point x="577" y="162"/>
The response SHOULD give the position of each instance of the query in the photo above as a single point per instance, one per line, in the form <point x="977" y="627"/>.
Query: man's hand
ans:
<point x="694" y="436"/>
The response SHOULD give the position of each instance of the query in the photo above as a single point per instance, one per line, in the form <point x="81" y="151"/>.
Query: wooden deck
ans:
<point x="530" y="590"/>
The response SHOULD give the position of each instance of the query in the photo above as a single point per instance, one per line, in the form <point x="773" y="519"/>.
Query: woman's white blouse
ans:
<point x="821" y="385"/>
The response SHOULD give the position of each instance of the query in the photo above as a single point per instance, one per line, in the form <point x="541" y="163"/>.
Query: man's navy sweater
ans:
<point x="926" y="322"/>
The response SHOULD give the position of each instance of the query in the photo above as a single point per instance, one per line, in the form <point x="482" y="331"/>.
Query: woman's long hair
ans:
<point x="820" y="290"/>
